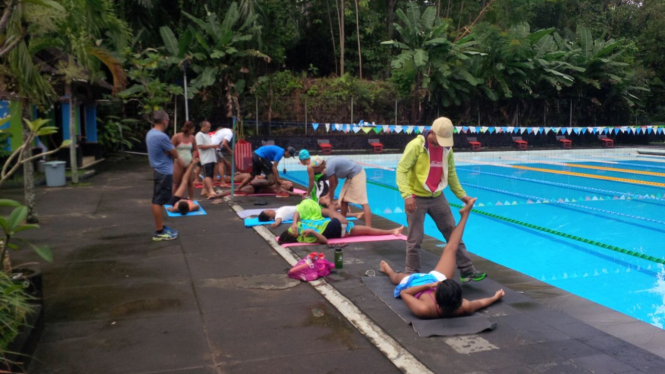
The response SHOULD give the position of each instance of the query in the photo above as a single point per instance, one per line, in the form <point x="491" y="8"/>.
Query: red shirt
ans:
<point x="435" y="168"/>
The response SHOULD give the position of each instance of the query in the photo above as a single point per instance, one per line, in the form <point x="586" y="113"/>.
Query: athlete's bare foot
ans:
<point x="398" y="231"/>
<point x="385" y="268"/>
<point x="467" y="208"/>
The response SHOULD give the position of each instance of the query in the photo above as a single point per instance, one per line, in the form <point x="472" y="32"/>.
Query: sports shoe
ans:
<point x="170" y="230"/>
<point x="475" y="276"/>
<point x="165" y="235"/>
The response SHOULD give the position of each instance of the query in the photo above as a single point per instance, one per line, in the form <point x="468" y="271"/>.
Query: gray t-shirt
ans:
<point x="342" y="167"/>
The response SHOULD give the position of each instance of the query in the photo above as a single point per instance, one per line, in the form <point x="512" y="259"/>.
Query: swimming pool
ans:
<point x="576" y="220"/>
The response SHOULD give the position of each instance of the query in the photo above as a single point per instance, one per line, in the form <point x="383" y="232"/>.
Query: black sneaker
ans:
<point x="475" y="276"/>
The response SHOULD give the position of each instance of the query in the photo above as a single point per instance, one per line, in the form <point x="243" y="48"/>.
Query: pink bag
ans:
<point x="311" y="268"/>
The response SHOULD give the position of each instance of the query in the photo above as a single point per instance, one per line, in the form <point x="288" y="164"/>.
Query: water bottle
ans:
<point x="339" y="258"/>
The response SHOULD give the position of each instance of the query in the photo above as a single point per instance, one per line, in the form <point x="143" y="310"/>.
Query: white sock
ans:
<point x="343" y="230"/>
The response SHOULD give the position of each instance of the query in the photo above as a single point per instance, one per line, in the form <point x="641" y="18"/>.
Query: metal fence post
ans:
<point x="305" y="115"/>
<point x="396" y="112"/>
<point x="351" y="109"/>
<point x="256" y="114"/>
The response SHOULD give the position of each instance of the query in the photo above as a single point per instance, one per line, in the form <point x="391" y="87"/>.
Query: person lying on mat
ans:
<point x="436" y="294"/>
<point x="286" y="213"/>
<point x="261" y="186"/>
<point x="265" y="161"/>
<point x="314" y="228"/>
<point x="179" y="203"/>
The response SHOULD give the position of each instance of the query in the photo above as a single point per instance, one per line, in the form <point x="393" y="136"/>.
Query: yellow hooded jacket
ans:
<point x="413" y="169"/>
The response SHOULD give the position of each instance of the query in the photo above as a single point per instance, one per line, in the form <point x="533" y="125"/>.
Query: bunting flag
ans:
<point x="392" y="128"/>
<point x="360" y="123"/>
<point x="465" y="129"/>
<point x="347" y="128"/>
<point x="569" y="130"/>
<point x="491" y="130"/>
<point x="377" y="129"/>
<point x="356" y="129"/>
<point x="458" y="129"/>
<point x="523" y="130"/>
<point x="421" y="129"/>
<point x="408" y="129"/>
<point x="510" y="128"/>
<point x="483" y="129"/>
<point x="473" y="130"/>
<point x="367" y="129"/>
<point x="315" y="126"/>
<point x="399" y="129"/>
<point x="386" y="128"/>
<point x="327" y="127"/>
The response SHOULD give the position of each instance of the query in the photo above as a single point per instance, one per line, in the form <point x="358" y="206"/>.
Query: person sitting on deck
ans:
<point x="310" y="226"/>
<point x="436" y="294"/>
<point x="179" y="203"/>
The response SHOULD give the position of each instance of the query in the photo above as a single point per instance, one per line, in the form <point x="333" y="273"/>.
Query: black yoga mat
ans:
<point x="473" y="324"/>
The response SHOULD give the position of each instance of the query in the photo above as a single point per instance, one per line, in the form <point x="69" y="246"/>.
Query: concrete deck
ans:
<point x="217" y="300"/>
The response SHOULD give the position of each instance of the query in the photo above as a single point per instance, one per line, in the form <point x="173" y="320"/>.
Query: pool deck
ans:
<point x="217" y="300"/>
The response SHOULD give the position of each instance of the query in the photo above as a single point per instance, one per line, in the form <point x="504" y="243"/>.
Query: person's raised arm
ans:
<point x="333" y="186"/>
<point x="245" y="182"/>
<point x="310" y="183"/>
<point x="294" y="224"/>
<point x="453" y="180"/>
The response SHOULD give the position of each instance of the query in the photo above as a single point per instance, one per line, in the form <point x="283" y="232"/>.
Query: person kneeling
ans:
<point x="436" y="294"/>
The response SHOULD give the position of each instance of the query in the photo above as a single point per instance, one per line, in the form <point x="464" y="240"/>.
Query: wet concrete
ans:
<point x="215" y="300"/>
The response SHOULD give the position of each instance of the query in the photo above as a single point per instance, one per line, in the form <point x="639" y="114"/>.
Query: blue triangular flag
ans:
<point x="315" y="126"/>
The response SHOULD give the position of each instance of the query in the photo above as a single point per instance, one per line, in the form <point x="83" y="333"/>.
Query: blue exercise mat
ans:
<point x="251" y="222"/>
<point x="200" y="212"/>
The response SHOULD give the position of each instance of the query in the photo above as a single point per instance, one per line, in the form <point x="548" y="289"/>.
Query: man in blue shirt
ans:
<point x="265" y="160"/>
<point x="161" y="154"/>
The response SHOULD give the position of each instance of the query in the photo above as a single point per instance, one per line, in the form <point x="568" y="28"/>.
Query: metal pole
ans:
<point x="570" y="118"/>
<point x="175" y="114"/>
<point x="351" y="109"/>
<point x="233" y="160"/>
<point x="305" y="116"/>
<point x="185" y="87"/>
<point x="396" y="112"/>
<point x="256" y="118"/>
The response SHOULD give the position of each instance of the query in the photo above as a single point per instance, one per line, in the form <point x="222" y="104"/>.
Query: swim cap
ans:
<point x="303" y="155"/>
<point x="316" y="161"/>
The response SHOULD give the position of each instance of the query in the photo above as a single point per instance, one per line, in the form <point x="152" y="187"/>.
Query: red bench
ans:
<point x="519" y="143"/>
<point x="326" y="147"/>
<point x="475" y="144"/>
<point x="376" y="145"/>
<point x="565" y="143"/>
<point x="607" y="142"/>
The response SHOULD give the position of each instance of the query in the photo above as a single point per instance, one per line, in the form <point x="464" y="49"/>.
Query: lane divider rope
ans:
<point x="566" y="203"/>
<point x="565" y="185"/>
<point x="592" y="167"/>
<point x="643" y="256"/>
<point x="592" y="176"/>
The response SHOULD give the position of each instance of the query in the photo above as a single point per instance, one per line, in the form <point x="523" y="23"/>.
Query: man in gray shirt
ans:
<point x="355" y="185"/>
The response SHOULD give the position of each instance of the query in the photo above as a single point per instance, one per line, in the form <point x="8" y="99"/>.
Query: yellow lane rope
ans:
<point x="592" y="176"/>
<point x="618" y="170"/>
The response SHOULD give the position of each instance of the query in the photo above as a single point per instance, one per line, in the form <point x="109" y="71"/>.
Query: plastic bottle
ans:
<point x="339" y="258"/>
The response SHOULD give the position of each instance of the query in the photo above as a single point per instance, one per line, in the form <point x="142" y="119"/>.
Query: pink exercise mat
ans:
<point x="296" y="190"/>
<point x="351" y="239"/>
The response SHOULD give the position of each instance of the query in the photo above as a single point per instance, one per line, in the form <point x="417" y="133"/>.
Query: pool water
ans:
<point x="628" y="214"/>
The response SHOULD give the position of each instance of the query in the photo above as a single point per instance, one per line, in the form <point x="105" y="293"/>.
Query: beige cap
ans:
<point x="443" y="129"/>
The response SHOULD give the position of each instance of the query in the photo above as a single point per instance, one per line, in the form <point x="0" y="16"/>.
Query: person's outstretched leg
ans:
<point x="447" y="263"/>
<point x="395" y="277"/>
<point x="370" y="231"/>
<point x="445" y="222"/>
<point x="184" y="181"/>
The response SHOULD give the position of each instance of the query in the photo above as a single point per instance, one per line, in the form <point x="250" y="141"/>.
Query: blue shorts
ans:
<point x="418" y="279"/>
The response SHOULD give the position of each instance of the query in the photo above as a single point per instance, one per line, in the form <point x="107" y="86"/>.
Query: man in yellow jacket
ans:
<point x="426" y="168"/>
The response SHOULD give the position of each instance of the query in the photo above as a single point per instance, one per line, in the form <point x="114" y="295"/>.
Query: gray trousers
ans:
<point x="439" y="210"/>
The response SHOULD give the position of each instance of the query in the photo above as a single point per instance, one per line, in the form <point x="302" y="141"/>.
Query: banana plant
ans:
<point x="12" y="225"/>
<point x="36" y="128"/>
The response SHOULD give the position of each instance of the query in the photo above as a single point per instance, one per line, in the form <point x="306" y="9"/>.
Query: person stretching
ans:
<point x="286" y="213"/>
<point x="436" y="294"/>
<point x="178" y="201"/>
<point x="260" y="186"/>
<point x="313" y="228"/>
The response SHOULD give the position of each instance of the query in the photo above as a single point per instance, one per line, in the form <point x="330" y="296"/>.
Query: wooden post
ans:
<point x="256" y="118"/>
